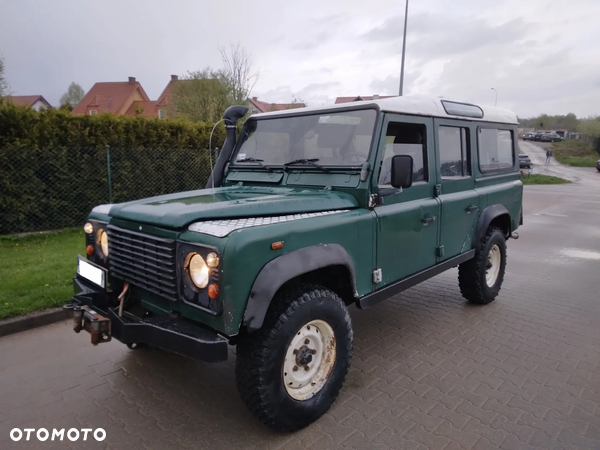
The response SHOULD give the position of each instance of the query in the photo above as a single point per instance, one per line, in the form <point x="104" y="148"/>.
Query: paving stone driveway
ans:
<point x="429" y="371"/>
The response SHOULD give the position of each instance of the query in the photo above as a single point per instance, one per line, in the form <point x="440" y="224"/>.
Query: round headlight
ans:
<point x="88" y="228"/>
<point x="197" y="269"/>
<point x="212" y="260"/>
<point x="103" y="242"/>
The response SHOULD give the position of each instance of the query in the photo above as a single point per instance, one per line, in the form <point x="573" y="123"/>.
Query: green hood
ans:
<point x="181" y="209"/>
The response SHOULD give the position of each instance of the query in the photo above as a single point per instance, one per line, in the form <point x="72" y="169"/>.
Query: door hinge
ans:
<point x="438" y="190"/>
<point x="440" y="251"/>
<point x="377" y="276"/>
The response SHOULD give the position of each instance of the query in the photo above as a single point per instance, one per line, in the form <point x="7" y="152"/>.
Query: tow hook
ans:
<point x="514" y="235"/>
<point x="99" y="327"/>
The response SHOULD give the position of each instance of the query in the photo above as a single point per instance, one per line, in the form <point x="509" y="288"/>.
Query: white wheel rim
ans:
<point x="493" y="265"/>
<point x="309" y="360"/>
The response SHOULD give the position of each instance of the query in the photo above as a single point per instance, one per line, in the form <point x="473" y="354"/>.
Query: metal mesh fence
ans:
<point x="53" y="188"/>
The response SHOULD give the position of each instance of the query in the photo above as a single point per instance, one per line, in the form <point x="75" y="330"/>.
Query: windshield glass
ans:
<point x="331" y="139"/>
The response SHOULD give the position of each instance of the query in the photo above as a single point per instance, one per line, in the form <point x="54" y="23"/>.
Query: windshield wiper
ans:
<point x="257" y="161"/>
<point x="312" y="162"/>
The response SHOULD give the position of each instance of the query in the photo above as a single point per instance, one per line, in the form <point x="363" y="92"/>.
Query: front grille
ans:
<point x="144" y="261"/>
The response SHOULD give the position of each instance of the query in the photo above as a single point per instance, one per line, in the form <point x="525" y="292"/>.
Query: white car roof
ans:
<point x="413" y="105"/>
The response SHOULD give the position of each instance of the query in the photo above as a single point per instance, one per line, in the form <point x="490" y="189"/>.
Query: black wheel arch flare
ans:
<point x="488" y="215"/>
<point x="286" y="267"/>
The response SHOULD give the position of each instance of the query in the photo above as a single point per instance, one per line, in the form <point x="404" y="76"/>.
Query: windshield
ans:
<point x="331" y="139"/>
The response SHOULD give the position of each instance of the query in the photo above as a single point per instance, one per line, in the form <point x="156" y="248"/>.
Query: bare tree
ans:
<point x="237" y="72"/>
<point x="74" y="95"/>
<point x="297" y="102"/>
<point x="4" y="87"/>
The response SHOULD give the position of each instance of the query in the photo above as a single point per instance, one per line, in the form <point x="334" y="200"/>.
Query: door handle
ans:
<point x="427" y="220"/>
<point x="470" y="208"/>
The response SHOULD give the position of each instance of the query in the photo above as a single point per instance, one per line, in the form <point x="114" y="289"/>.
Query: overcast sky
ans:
<point x="540" y="55"/>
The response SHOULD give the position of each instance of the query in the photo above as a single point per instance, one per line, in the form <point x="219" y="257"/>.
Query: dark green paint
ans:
<point x="181" y="209"/>
<point x="392" y="236"/>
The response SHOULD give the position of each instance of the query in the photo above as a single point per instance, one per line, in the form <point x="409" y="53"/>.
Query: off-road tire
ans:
<point x="261" y="354"/>
<point x="472" y="274"/>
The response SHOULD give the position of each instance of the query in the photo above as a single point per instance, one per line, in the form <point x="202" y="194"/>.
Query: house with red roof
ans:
<point x="165" y="99"/>
<point x="36" y="102"/>
<point x="129" y="98"/>
<point x="118" y="97"/>
<point x="257" y="106"/>
<point x="360" y="98"/>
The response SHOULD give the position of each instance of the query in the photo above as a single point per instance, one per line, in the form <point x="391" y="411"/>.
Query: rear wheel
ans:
<point x="290" y="371"/>
<point x="480" y="278"/>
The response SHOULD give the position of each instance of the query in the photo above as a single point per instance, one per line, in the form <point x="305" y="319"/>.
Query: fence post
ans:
<point x="109" y="175"/>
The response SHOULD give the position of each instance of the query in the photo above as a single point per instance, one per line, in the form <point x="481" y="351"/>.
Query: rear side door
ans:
<point x="407" y="220"/>
<point x="460" y="203"/>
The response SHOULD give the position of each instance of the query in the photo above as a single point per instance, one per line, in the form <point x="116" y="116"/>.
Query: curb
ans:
<point x="33" y="320"/>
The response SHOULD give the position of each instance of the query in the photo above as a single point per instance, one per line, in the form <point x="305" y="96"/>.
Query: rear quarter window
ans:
<point x="495" y="149"/>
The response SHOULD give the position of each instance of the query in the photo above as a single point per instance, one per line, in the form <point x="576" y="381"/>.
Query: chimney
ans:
<point x="174" y="77"/>
<point x="132" y="79"/>
<point x="254" y="98"/>
<point x="376" y="97"/>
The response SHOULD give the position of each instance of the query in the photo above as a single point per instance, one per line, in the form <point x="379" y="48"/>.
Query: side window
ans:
<point x="495" y="149"/>
<point x="405" y="139"/>
<point x="454" y="152"/>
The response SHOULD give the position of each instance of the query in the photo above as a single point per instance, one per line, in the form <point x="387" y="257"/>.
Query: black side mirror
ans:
<point x="402" y="171"/>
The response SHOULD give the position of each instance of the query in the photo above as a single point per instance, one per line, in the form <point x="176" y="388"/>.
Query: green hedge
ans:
<point x="53" y="165"/>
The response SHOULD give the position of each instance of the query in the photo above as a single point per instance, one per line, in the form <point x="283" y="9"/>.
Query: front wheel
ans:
<point x="480" y="278"/>
<point x="290" y="371"/>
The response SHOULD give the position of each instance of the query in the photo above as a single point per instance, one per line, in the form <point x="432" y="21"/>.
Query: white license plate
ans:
<point x="90" y="272"/>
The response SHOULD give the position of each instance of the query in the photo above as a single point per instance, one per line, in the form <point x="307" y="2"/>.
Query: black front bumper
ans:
<point x="174" y="334"/>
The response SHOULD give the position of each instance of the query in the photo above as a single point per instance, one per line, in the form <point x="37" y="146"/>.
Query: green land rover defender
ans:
<point x="307" y="212"/>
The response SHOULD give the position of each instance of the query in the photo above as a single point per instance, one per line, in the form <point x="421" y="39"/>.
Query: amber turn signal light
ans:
<point x="277" y="245"/>
<point x="213" y="291"/>
<point x="89" y="250"/>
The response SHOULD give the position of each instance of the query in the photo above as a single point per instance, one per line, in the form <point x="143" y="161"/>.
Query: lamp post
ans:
<point x="493" y="89"/>
<point x="403" y="50"/>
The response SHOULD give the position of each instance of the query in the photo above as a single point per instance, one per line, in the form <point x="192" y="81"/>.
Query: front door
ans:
<point x="407" y="220"/>
<point x="460" y="201"/>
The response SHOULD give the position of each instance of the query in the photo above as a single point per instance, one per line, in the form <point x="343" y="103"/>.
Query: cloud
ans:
<point x="434" y="35"/>
<point x="322" y="30"/>
<point x="539" y="58"/>
<point x="391" y="84"/>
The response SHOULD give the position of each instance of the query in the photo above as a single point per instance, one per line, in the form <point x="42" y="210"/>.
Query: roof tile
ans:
<point x="26" y="100"/>
<point x="109" y="96"/>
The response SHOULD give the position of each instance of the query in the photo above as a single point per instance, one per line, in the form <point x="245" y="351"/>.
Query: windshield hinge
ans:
<point x="373" y="201"/>
<point x="438" y="190"/>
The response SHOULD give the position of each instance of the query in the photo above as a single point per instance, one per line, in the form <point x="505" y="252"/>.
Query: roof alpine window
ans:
<point x="462" y="109"/>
